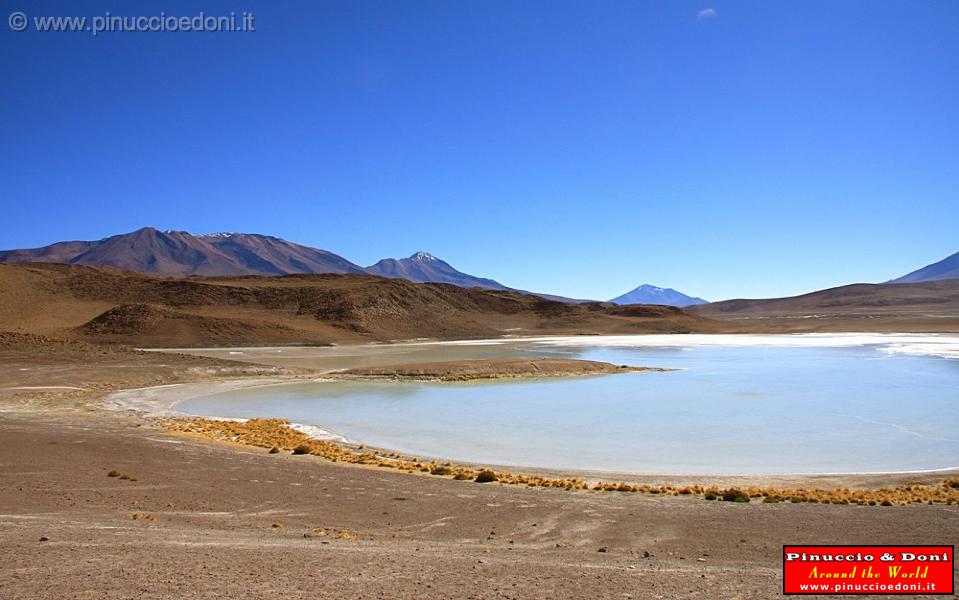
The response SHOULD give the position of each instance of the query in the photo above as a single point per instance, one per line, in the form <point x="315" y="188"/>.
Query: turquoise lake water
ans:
<point x="731" y="409"/>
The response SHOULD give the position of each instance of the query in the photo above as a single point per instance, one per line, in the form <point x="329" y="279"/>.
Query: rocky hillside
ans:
<point x="107" y="305"/>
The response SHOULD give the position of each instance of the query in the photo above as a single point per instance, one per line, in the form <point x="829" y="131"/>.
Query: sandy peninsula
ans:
<point x="467" y="370"/>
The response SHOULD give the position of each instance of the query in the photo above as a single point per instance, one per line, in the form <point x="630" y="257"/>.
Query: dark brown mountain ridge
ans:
<point x="99" y="304"/>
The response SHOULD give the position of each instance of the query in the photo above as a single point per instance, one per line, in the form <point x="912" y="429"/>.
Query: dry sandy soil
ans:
<point x="209" y="513"/>
<point x="195" y="519"/>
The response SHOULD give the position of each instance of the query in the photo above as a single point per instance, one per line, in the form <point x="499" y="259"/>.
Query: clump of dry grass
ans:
<point x="735" y="495"/>
<point x="276" y="433"/>
<point x="339" y="534"/>
<point x="143" y="517"/>
<point x="486" y="476"/>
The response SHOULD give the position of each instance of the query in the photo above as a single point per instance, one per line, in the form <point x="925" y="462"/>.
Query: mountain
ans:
<point x="98" y="304"/>
<point x="914" y="307"/>
<point x="947" y="268"/>
<point x="180" y="253"/>
<point x="650" y="294"/>
<point x="423" y="267"/>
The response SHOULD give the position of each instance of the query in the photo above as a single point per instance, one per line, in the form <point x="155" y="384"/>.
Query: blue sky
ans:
<point x="755" y="149"/>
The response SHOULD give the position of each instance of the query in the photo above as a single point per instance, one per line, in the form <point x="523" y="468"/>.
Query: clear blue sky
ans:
<point x="758" y="149"/>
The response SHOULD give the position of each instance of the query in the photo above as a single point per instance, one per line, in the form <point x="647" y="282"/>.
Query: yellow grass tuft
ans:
<point x="276" y="433"/>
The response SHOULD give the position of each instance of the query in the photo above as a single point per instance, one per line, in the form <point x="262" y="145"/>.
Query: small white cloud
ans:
<point x="707" y="13"/>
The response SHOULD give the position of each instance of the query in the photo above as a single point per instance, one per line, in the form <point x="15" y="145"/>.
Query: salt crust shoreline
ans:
<point x="161" y="401"/>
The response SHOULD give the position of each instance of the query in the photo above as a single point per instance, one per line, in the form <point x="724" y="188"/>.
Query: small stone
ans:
<point x="603" y="549"/>
<point x="44" y="538"/>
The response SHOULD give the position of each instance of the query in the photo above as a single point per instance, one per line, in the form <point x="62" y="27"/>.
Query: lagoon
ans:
<point x="802" y="404"/>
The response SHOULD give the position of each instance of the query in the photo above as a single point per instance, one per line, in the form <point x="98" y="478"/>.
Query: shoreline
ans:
<point x="159" y="402"/>
<point x="193" y="514"/>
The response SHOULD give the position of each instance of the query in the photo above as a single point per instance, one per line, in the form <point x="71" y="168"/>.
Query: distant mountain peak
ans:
<point x="172" y="252"/>
<point x="423" y="267"/>
<point x="947" y="268"/>
<point x="651" y="294"/>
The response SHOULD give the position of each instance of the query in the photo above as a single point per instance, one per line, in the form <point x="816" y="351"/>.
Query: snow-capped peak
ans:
<point x="423" y="256"/>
